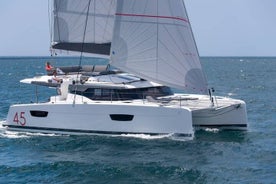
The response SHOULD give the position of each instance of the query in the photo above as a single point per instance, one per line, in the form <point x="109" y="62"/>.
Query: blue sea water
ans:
<point x="213" y="156"/>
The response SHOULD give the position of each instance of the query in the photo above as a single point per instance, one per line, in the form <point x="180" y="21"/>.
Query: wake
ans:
<point x="4" y="133"/>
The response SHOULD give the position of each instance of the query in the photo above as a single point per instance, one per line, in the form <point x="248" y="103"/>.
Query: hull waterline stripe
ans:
<point x="88" y="131"/>
<point x="223" y="125"/>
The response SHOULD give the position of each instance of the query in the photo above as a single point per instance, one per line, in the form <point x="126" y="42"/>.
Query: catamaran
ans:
<point x="152" y="47"/>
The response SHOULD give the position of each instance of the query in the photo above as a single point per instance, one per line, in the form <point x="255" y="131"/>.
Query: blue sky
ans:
<point x="221" y="27"/>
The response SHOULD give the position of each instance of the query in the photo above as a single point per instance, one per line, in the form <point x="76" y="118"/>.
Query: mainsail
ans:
<point x="153" y="40"/>
<point x="83" y="26"/>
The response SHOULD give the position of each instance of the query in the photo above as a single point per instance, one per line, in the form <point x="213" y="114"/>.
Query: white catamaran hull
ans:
<point x="224" y="113"/>
<point x="100" y="118"/>
<point x="225" y="117"/>
<point x="106" y="117"/>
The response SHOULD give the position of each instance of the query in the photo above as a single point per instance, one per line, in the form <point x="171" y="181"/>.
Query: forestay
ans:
<point x="153" y="40"/>
<point x="83" y="25"/>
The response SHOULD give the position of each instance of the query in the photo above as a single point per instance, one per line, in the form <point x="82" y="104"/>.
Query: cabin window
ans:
<point x="107" y="92"/>
<point x="125" y="94"/>
<point x="97" y="92"/>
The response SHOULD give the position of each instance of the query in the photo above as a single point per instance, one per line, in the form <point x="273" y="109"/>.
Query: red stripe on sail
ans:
<point x="152" y="16"/>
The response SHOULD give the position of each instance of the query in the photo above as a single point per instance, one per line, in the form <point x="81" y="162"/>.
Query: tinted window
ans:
<point x="125" y="94"/>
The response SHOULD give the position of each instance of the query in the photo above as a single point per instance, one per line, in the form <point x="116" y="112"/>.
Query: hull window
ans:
<point x="39" y="113"/>
<point x="121" y="117"/>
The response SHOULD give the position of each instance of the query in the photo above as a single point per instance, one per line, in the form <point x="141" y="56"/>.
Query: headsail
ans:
<point x="153" y="40"/>
<point x="83" y="26"/>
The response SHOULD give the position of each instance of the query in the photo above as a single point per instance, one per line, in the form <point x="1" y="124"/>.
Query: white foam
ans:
<point x="1" y="122"/>
<point x="231" y="94"/>
<point x="16" y="134"/>
<point x="13" y="135"/>
<point x="42" y="134"/>
<point x="1" y="126"/>
<point x="214" y="130"/>
<point x="146" y="136"/>
<point x="19" y="134"/>
<point x="152" y="137"/>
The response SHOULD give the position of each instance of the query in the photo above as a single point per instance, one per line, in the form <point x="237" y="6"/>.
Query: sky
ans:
<point x="220" y="27"/>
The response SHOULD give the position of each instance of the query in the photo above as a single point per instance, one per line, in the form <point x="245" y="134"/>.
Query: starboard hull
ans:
<point x="232" y="116"/>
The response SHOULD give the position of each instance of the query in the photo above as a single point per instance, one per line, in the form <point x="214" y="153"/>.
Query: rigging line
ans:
<point x="84" y="34"/>
<point x="157" y="42"/>
<point x="110" y="8"/>
<point x="94" y="22"/>
<point x="82" y="46"/>
<point x="56" y="18"/>
<point x="50" y="25"/>
<point x="51" y="7"/>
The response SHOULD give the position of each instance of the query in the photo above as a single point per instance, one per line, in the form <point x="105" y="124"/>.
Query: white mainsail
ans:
<point x="83" y="26"/>
<point x="153" y="40"/>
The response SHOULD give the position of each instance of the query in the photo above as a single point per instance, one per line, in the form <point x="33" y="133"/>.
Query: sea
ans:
<point x="212" y="156"/>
